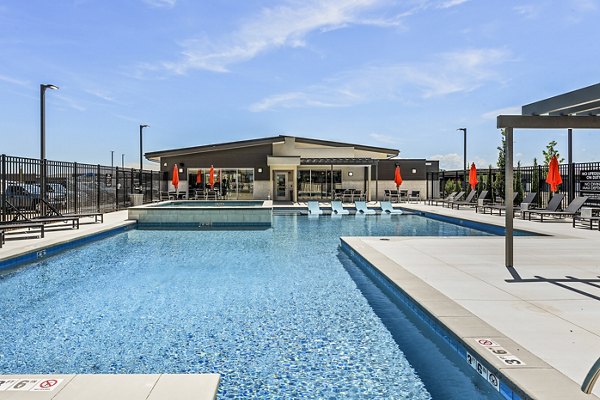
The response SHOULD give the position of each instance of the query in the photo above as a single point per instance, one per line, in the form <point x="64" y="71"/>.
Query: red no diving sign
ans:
<point x="46" y="385"/>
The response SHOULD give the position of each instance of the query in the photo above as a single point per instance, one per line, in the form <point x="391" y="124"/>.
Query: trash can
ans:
<point x="137" y="199"/>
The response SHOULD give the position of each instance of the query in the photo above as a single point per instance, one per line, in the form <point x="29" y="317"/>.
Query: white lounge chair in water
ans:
<point x="337" y="208"/>
<point x="361" y="208"/>
<point x="313" y="208"/>
<point x="386" y="208"/>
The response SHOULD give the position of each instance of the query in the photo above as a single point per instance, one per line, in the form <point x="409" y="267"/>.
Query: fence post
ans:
<point x="98" y="187"/>
<point x="75" y="189"/>
<point x="3" y="187"/>
<point x="151" y="187"/>
<point x="117" y="188"/>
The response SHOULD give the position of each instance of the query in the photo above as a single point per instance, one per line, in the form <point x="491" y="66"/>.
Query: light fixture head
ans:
<point x="49" y="86"/>
<point x="350" y="173"/>
<point x="462" y="129"/>
<point x="144" y="126"/>
<point x="259" y="170"/>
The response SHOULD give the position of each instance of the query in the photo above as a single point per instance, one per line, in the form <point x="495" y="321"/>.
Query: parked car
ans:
<point x="23" y="196"/>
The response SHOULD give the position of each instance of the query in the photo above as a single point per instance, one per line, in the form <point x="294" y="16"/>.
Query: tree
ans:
<point x="449" y="186"/>
<point x="518" y="184"/>
<point x="551" y="151"/>
<point x="501" y="164"/>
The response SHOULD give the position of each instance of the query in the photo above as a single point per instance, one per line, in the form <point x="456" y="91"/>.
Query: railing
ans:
<point x="585" y="181"/>
<point x="70" y="187"/>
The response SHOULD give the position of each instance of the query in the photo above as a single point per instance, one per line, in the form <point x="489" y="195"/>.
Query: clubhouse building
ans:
<point x="289" y="168"/>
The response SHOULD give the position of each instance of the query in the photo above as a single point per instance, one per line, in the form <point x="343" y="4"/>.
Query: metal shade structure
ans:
<point x="578" y="109"/>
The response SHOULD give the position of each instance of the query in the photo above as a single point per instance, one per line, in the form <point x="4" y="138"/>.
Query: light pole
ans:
<point x="141" y="165"/>
<point x="43" y="88"/>
<point x="112" y="158"/>
<point x="465" y="156"/>
<point x="122" y="160"/>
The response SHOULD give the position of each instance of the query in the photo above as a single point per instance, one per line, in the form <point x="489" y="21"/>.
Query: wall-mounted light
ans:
<point x="181" y="164"/>
<point x="180" y="170"/>
<point x="259" y="170"/>
<point x="414" y="170"/>
<point x="165" y="165"/>
<point x="350" y="173"/>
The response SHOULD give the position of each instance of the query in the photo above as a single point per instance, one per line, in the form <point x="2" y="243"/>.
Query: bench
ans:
<point x="49" y="220"/>
<point x="29" y="225"/>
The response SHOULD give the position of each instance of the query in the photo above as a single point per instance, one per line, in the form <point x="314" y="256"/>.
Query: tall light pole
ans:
<point x="43" y="88"/>
<point x="141" y="165"/>
<point x="465" y="156"/>
<point x="112" y="158"/>
<point x="122" y="160"/>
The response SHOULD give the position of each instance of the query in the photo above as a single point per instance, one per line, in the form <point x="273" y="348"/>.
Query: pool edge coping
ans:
<point x="525" y="382"/>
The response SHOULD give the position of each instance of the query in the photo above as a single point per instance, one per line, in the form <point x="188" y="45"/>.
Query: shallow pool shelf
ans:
<point x="203" y="215"/>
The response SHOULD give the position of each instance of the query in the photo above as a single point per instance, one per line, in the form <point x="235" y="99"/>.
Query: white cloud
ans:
<point x="491" y="115"/>
<point x="451" y="3"/>
<point x="101" y="94"/>
<point x="387" y="139"/>
<point x="161" y="3"/>
<point x="453" y="72"/>
<point x="529" y="11"/>
<point x="454" y="161"/>
<point x="13" y="81"/>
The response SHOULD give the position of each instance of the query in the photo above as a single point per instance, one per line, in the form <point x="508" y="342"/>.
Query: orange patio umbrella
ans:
<point x="199" y="177"/>
<point x="553" y="179"/>
<point x="473" y="176"/>
<point x="175" y="180"/>
<point x="211" y="177"/>
<point x="397" y="177"/>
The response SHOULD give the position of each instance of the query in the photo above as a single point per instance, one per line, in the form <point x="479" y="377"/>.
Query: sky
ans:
<point x="403" y="74"/>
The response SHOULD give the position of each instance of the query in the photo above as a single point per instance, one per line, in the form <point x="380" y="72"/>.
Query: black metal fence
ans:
<point x="70" y="187"/>
<point x="582" y="180"/>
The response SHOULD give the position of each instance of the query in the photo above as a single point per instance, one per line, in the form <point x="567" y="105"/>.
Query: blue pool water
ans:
<point x="276" y="312"/>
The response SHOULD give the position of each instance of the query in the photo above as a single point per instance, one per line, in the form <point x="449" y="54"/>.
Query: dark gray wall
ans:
<point x="247" y="157"/>
<point x="387" y="169"/>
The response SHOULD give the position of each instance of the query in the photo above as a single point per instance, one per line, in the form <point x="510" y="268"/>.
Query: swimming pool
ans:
<point x="276" y="312"/>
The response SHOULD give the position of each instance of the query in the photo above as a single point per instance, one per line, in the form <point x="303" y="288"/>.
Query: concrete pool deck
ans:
<point x="554" y="330"/>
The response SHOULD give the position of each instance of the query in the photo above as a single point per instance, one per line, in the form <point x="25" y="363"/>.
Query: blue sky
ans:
<point x="401" y="74"/>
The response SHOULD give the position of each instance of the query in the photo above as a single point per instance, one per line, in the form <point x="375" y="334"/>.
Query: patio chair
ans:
<point x="571" y="210"/>
<point x="347" y="196"/>
<point x="164" y="196"/>
<point x="387" y="208"/>
<point x="403" y="195"/>
<point x="415" y="196"/>
<point x="387" y="195"/>
<point x="361" y="208"/>
<point x="338" y="208"/>
<point x="358" y="195"/>
<point x="394" y="194"/>
<point x="469" y="201"/>
<point x="313" y="208"/>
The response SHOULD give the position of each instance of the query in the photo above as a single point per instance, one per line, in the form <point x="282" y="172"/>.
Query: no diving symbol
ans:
<point x="485" y="342"/>
<point x="47" y="384"/>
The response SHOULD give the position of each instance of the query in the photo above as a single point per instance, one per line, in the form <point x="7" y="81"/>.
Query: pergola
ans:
<point x="578" y="109"/>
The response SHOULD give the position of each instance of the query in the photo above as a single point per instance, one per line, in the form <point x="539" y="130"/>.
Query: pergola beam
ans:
<point x="548" y="122"/>
<point x="563" y="102"/>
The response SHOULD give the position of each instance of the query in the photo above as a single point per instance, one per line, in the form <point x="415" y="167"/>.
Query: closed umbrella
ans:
<point x="397" y="177"/>
<point x="473" y="176"/>
<point x="553" y="179"/>
<point x="175" y="180"/>
<point x="211" y="177"/>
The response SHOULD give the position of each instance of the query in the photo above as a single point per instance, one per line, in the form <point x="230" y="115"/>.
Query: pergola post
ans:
<point x="571" y="169"/>
<point x="508" y="197"/>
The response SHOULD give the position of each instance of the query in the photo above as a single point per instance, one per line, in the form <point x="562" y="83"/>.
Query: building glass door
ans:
<point x="281" y="192"/>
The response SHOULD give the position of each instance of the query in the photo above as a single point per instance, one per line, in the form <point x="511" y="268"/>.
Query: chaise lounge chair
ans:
<point x="436" y="201"/>
<point x="338" y="208"/>
<point x="501" y="207"/>
<point x="361" y="208"/>
<point x="313" y="208"/>
<point x="458" y="197"/>
<point x="571" y="210"/>
<point x="468" y="201"/>
<point x="387" y="208"/>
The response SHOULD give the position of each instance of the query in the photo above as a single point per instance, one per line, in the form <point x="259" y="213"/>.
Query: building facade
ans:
<point x="288" y="168"/>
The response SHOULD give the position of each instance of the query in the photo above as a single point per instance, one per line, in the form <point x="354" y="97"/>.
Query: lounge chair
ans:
<point x="361" y="208"/>
<point x="439" y="200"/>
<point x="458" y="197"/>
<point x="468" y="201"/>
<point x="501" y="207"/>
<point x="17" y="228"/>
<point x="337" y="208"/>
<point x="58" y="216"/>
<point x="387" y="208"/>
<point x="313" y="208"/>
<point x="571" y="210"/>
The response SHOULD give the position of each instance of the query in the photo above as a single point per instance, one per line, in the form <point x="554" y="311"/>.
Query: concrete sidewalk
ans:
<point x="556" y="321"/>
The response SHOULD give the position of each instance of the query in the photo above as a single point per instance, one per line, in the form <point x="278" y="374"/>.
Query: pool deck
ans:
<point x="552" y="326"/>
